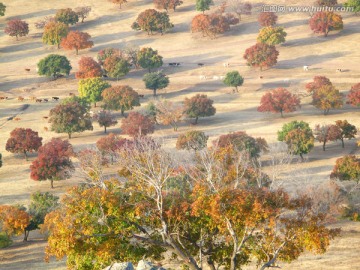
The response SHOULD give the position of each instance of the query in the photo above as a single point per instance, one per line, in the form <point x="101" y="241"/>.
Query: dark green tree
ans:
<point x="155" y="81"/>
<point x="54" y="65"/>
<point x="67" y="16"/>
<point x="2" y="9"/>
<point x="199" y="106"/>
<point x="202" y="5"/>
<point x="234" y="79"/>
<point x="149" y="58"/>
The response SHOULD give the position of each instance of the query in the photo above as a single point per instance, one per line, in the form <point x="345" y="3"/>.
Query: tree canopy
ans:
<point x="203" y="5"/>
<point x="149" y="59"/>
<point x="261" y="55"/>
<point x="23" y="140"/>
<point x="199" y="106"/>
<point x="272" y="35"/>
<point x="137" y="125"/>
<point x="234" y="79"/>
<point x="151" y="21"/>
<point x="54" y="65"/>
<point x="323" y="22"/>
<point x="76" y="40"/>
<point x="16" y="28"/>
<point x="88" y="68"/>
<point x="67" y="16"/>
<point x="192" y="140"/>
<point x="92" y="88"/>
<point x="54" y="32"/>
<point x="121" y="97"/>
<point x="155" y="81"/>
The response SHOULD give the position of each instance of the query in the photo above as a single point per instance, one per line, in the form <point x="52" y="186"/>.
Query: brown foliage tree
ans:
<point x="13" y="221"/>
<point x="261" y="55"/>
<point x="169" y="113"/>
<point x="54" y="32"/>
<point x="16" y="28"/>
<point x="116" y="66"/>
<point x="137" y="125"/>
<point x="111" y="144"/>
<point x="348" y="131"/>
<point x="121" y="97"/>
<point x="192" y="140"/>
<point x="77" y="40"/>
<point x="267" y="19"/>
<point x="354" y="95"/>
<point x="317" y="83"/>
<point x="23" y="140"/>
<point x="53" y="162"/>
<point x="347" y="168"/>
<point x="167" y="4"/>
<point x="199" y="106"/>
<point x="327" y="97"/>
<point x="67" y="16"/>
<point x="152" y="20"/>
<point x="323" y="22"/>
<point x="83" y="12"/>
<point x="328" y="3"/>
<point x="105" y="119"/>
<point x="119" y="2"/>
<point x="88" y="68"/>
<point x="327" y="133"/>
<point x="239" y="7"/>
<point x="278" y="101"/>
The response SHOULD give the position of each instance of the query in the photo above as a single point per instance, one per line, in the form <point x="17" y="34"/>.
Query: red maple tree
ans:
<point x="137" y="125"/>
<point x="324" y="22"/>
<point x="77" y="40"/>
<point x="23" y="140"/>
<point x="88" y="68"/>
<point x="267" y="19"/>
<point x="317" y="83"/>
<point x="354" y="95"/>
<point x="261" y="55"/>
<point x="327" y="133"/>
<point x="16" y="28"/>
<point x="278" y="101"/>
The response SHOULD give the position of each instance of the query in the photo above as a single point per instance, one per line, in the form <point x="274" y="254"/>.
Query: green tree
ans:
<point x="155" y="81"/>
<point x="234" y="79"/>
<point x="347" y="168"/>
<point x="286" y="128"/>
<point x="2" y="9"/>
<point x="67" y="16"/>
<point x="72" y="115"/>
<point x="327" y="97"/>
<point x="121" y="97"/>
<point x="54" y="32"/>
<point x="149" y="58"/>
<point x="54" y="65"/>
<point x="272" y="35"/>
<point x="199" y="106"/>
<point x="202" y="5"/>
<point x="348" y="131"/>
<point x="192" y="140"/>
<point x="152" y="20"/>
<point x="92" y="88"/>
<point x="355" y="4"/>
<point x="116" y="66"/>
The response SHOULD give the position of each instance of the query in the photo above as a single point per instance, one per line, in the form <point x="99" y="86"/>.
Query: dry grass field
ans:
<point x="110" y="27"/>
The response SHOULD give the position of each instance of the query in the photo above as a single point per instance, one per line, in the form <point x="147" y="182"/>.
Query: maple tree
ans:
<point x="54" y="32"/>
<point x="234" y="79"/>
<point x="192" y="140"/>
<point x="155" y="81"/>
<point x="354" y="95"/>
<point x="239" y="7"/>
<point x="116" y="66"/>
<point x="199" y="106"/>
<point x="2" y="9"/>
<point x="348" y="131"/>
<point x="149" y="58"/>
<point x="323" y="22"/>
<point x="272" y="35"/>
<point x="67" y="16"/>
<point x="355" y="4"/>
<point x="105" y="119"/>
<point x="92" y="88"/>
<point x="317" y="83"/>
<point x="111" y="144"/>
<point x="267" y="19"/>
<point x="261" y="55"/>
<point x="13" y="220"/>
<point x="327" y="97"/>
<point x="16" y="28"/>
<point x="202" y="5"/>
<point x="71" y="115"/>
<point x="137" y="125"/>
<point x="278" y="101"/>
<point x="53" y="162"/>
<point x="121" y="97"/>
<point x="242" y="142"/>
<point x="53" y="65"/>
<point x="167" y="4"/>
<point x="347" y="168"/>
<point x="83" y="12"/>
<point x="168" y="113"/>
<point x="119" y="2"/>
<point x="152" y="20"/>
<point x="105" y="53"/>
<point x="88" y="68"/>
<point x="76" y="40"/>
<point x="327" y="133"/>
<point x="24" y="141"/>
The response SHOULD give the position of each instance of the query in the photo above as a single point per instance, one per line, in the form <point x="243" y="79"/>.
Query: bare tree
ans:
<point x="239" y="7"/>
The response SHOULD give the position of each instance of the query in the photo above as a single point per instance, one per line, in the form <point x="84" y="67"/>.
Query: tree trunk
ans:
<point x="154" y="92"/>
<point x="95" y="104"/>
<point x="342" y="143"/>
<point x="281" y="112"/>
<point x="26" y="235"/>
<point x="120" y="5"/>
<point x="324" y="143"/>
<point x="105" y="129"/>
<point x="69" y="135"/>
<point x="25" y="154"/>
<point x="82" y="20"/>
<point x="233" y="261"/>
<point x="301" y="156"/>
<point x="17" y="37"/>
<point x="77" y="51"/>
<point x="58" y="45"/>
<point x="196" y="120"/>
<point x="52" y="183"/>
<point x="122" y="112"/>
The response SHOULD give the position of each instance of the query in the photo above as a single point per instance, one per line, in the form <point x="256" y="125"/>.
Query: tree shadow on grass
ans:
<point x="30" y="15"/>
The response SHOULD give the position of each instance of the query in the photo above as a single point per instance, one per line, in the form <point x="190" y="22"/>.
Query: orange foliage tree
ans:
<point x="167" y="4"/>
<point x="13" y="221"/>
<point x="77" y="40"/>
<point x="267" y="19"/>
<point x="327" y="97"/>
<point x="323" y="22"/>
<point x="261" y="55"/>
<point x="119" y="2"/>
<point x="121" y="97"/>
<point x="137" y="125"/>
<point x="354" y="95"/>
<point x="88" y="68"/>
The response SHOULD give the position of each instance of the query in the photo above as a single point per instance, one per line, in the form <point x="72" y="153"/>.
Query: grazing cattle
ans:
<point x="203" y="77"/>
<point x="45" y="117"/>
<point x="46" y="128"/>
<point x="260" y="77"/>
<point x="216" y="77"/>
<point x="226" y="64"/>
<point x="3" y="98"/>
<point x="339" y="70"/>
<point x="17" y="119"/>
<point x="20" y="98"/>
<point x="141" y="96"/>
<point x="45" y="100"/>
<point x="174" y="64"/>
<point x="222" y="77"/>
<point x="27" y="69"/>
<point x="32" y="98"/>
<point x="104" y="76"/>
<point x="286" y="81"/>
<point x="39" y="100"/>
<point x="306" y="68"/>
<point x="71" y="94"/>
<point x="200" y="64"/>
<point x="55" y="98"/>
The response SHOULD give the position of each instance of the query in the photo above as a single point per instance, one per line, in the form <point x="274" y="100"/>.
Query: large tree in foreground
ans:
<point x="261" y="55"/>
<point x="326" y="98"/>
<point x="54" y="65"/>
<point x="239" y="224"/>
<point x="279" y="100"/>
<point x="323" y="22"/>
<point x="16" y="28"/>
<point x="23" y="141"/>
<point x="71" y="116"/>
<point x="149" y="58"/>
<point x="199" y="106"/>
<point x="13" y="221"/>
<point x="272" y="35"/>
<point x="151" y="21"/>
<point x="53" y="162"/>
